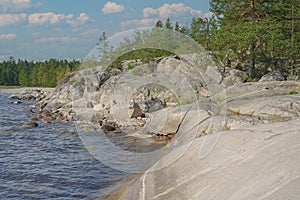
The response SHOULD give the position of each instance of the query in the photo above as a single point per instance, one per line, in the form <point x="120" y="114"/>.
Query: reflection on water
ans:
<point x="46" y="162"/>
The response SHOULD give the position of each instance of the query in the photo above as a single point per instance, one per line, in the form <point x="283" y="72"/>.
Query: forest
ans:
<point x="256" y="36"/>
<point x="35" y="74"/>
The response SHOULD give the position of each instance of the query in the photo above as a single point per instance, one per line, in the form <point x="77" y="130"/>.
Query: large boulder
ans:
<point x="233" y="76"/>
<point x="272" y="76"/>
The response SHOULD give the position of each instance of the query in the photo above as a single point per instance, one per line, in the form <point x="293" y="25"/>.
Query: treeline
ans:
<point x="35" y="74"/>
<point x="256" y="36"/>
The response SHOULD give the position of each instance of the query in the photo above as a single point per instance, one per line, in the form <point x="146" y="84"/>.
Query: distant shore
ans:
<point x="10" y="90"/>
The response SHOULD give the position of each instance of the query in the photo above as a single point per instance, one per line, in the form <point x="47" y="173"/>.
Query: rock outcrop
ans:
<point x="115" y="98"/>
<point x="259" y="162"/>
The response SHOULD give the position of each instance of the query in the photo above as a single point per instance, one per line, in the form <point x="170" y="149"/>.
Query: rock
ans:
<point x="47" y="119"/>
<point x="17" y="102"/>
<point x="136" y="111"/>
<point x="60" y="118"/>
<point x="99" y="107"/>
<point x="293" y="78"/>
<point x="238" y="166"/>
<point x="272" y="76"/>
<point x="108" y="128"/>
<point x="30" y="125"/>
<point x="155" y="104"/>
<point x="233" y="76"/>
<point x="6" y="131"/>
<point x="214" y="72"/>
<point x="34" y="119"/>
<point x="29" y="94"/>
<point x="13" y="97"/>
<point x="111" y="134"/>
<point x="90" y="105"/>
<point x="272" y="104"/>
<point x="115" y="72"/>
<point x="185" y="120"/>
<point x="44" y="111"/>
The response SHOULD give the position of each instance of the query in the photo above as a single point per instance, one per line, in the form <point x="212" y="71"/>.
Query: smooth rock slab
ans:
<point x="260" y="162"/>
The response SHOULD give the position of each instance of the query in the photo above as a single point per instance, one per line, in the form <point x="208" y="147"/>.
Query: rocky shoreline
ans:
<point x="214" y="101"/>
<point x="26" y="90"/>
<point x="232" y="105"/>
<point x="38" y="113"/>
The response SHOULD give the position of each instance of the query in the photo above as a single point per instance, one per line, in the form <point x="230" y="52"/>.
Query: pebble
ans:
<point x="107" y="128"/>
<point x="30" y="125"/>
<point x="44" y="111"/>
<point x="34" y="119"/>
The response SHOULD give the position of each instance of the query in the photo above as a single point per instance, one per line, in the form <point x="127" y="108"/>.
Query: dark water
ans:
<point x="47" y="162"/>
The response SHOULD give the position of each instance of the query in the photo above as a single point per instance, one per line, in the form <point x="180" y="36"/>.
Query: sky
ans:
<point x="69" y="29"/>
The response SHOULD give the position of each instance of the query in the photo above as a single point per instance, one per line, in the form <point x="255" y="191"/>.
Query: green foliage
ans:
<point x="35" y="74"/>
<point x="250" y="79"/>
<point x="292" y="91"/>
<point x="130" y="66"/>
<point x="159" y="24"/>
<point x="260" y="34"/>
<point x="168" y="24"/>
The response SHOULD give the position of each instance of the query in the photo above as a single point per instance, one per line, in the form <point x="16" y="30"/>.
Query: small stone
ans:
<point x="34" y="119"/>
<point x="108" y="128"/>
<point x="30" y="125"/>
<point x="90" y="105"/>
<point x="47" y="119"/>
<point x="44" y="111"/>
<point x="111" y="134"/>
<point x="137" y="111"/>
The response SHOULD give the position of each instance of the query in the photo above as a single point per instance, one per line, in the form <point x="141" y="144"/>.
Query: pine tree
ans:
<point x="159" y="24"/>
<point x="256" y="33"/>
<point x="177" y="27"/>
<point x="168" y="24"/>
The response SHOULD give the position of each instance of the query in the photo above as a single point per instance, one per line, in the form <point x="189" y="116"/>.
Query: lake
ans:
<point x="49" y="161"/>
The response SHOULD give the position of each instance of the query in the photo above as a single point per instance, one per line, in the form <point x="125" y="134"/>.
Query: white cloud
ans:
<point x="137" y="23"/>
<point x="53" y="18"/>
<point x="81" y="20"/>
<point x="9" y="36"/>
<point x="50" y="17"/>
<point x="58" y="39"/>
<point x="149" y="12"/>
<point x="171" y="10"/>
<point x="112" y="7"/>
<point x="12" y="19"/>
<point x="14" y="5"/>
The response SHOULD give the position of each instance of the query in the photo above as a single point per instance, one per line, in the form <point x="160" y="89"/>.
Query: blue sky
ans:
<point x="43" y="29"/>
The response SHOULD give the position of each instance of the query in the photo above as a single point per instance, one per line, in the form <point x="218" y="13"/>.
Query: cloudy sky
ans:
<point x="43" y="29"/>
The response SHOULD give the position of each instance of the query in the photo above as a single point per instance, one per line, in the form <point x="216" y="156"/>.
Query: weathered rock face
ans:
<point x="108" y="96"/>
<point x="260" y="162"/>
<point x="101" y="91"/>
<point x="227" y="77"/>
<point x="272" y="76"/>
<point x="261" y="102"/>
